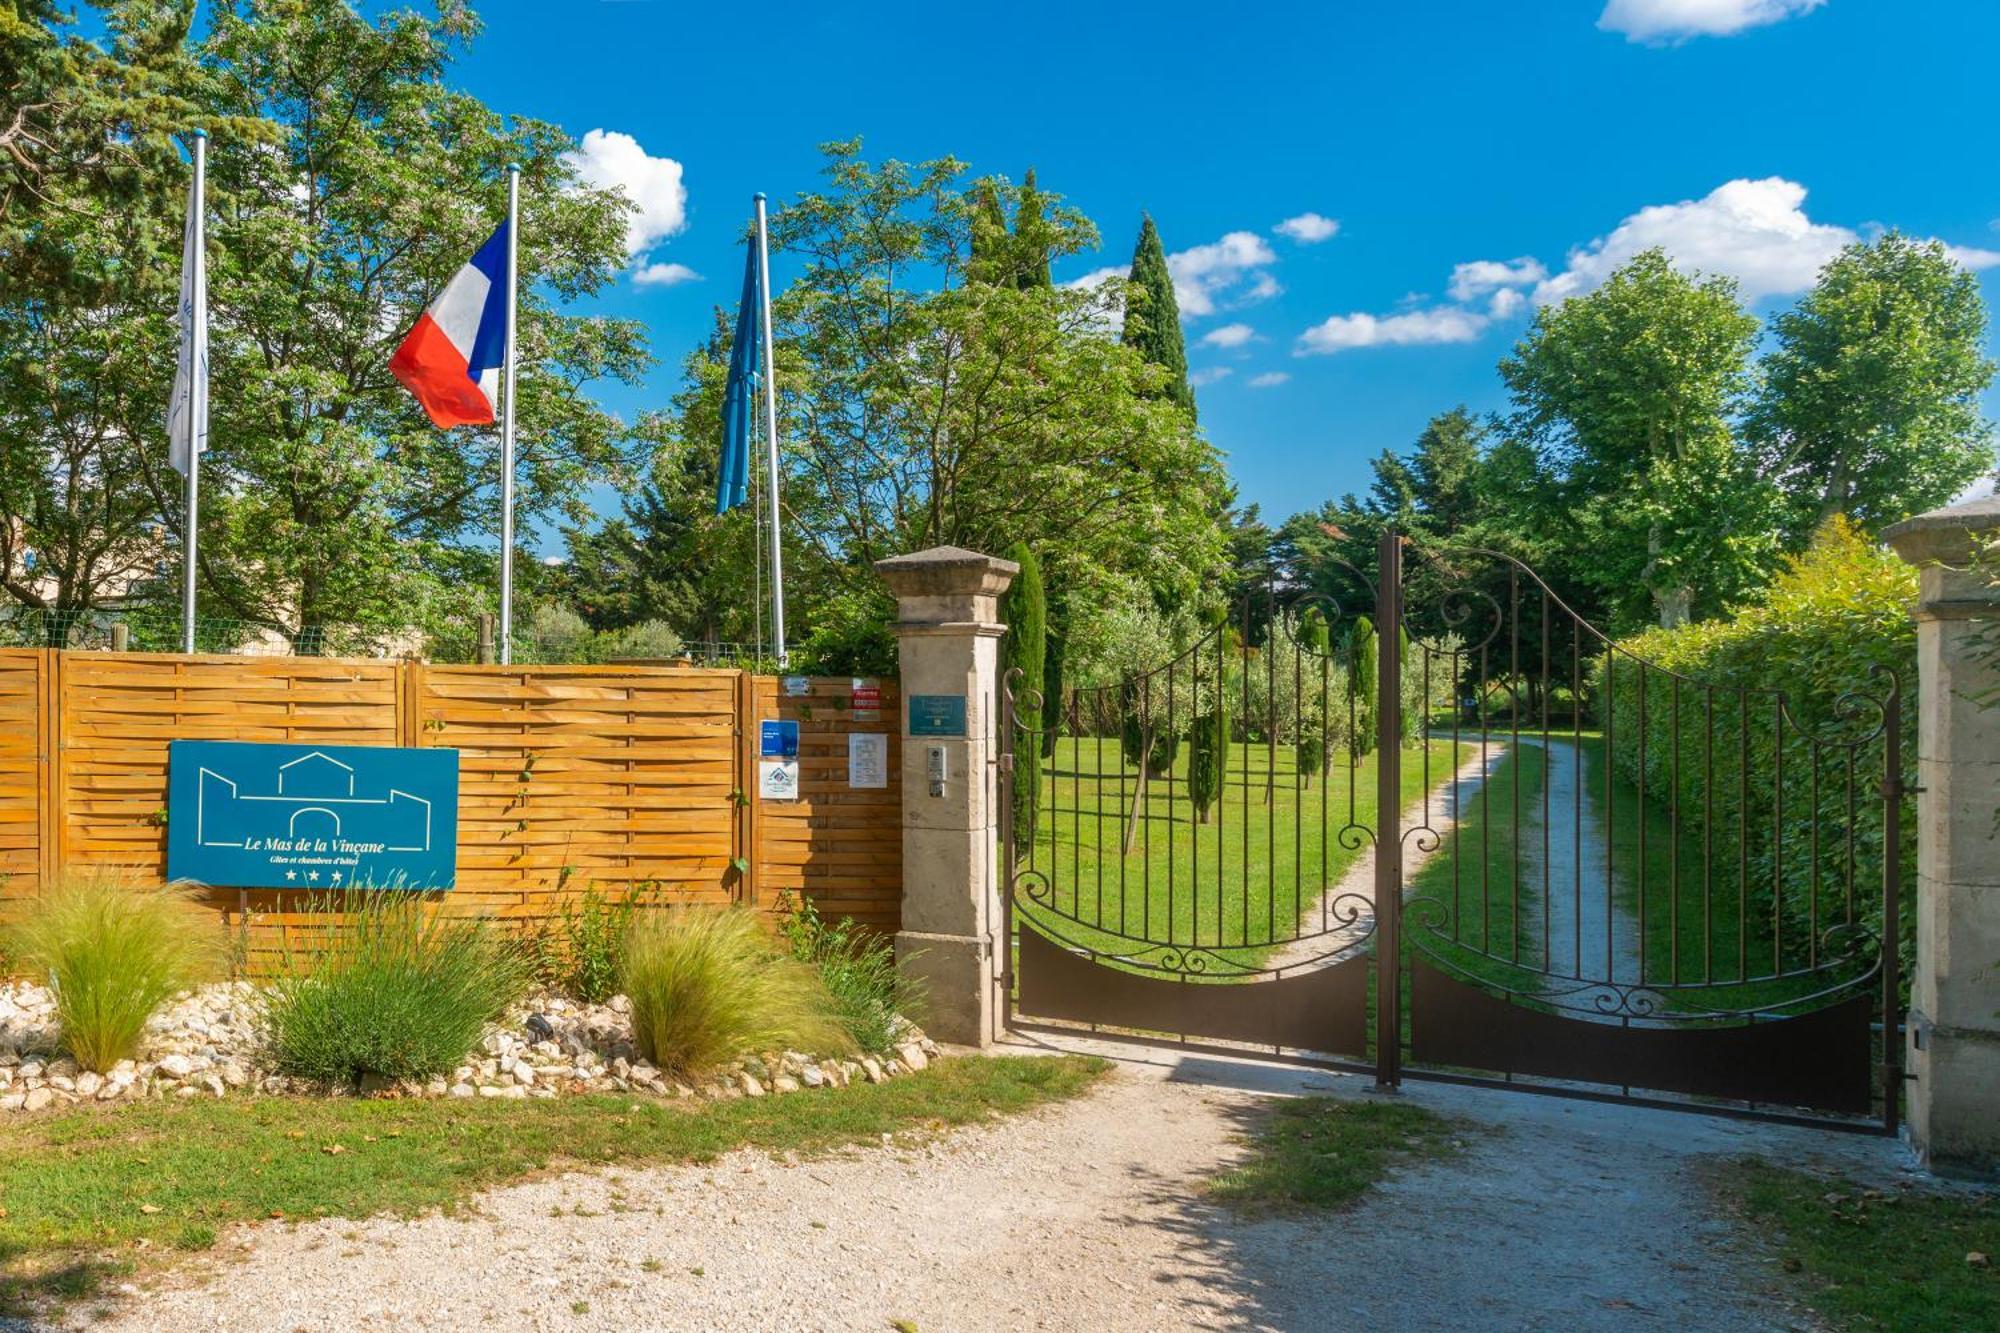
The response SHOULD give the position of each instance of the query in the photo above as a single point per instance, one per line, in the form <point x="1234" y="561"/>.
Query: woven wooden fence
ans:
<point x="621" y="777"/>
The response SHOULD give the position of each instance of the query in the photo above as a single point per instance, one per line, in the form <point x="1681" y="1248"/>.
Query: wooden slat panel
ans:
<point x="22" y="795"/>
<point x="839" y="848"/>
<point x="620" y="777"/>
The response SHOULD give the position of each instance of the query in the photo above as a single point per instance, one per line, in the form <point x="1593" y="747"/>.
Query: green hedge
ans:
<point x="1835" y="617"/>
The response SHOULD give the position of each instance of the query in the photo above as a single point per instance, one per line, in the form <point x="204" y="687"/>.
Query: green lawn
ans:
<point x="80" y="1190"/>
<point x="1895" y="1258"/>
<point x="1236" y="884"/>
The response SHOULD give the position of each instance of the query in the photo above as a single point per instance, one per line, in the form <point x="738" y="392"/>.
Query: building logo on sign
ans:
<point x="245" y="815"/>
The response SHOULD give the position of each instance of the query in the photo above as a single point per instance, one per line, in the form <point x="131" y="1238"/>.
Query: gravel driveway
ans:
<point x="1564" y="1215"/>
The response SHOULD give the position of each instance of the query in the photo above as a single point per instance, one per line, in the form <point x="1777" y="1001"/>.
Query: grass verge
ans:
<point x="80" y="1191"/>
<point x="1326" y="1152"/>
<point x="1867" y="1258"/>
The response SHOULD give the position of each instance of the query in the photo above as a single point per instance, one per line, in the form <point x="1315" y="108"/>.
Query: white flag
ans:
<point x="187" y="412"/>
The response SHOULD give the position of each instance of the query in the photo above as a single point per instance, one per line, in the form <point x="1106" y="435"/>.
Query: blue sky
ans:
<point x="1535" y="143"/>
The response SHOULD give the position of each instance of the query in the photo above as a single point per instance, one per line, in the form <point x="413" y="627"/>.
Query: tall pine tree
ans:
<point x="1153" y="320"/>
<point x="1031" y="237"/>
<point x="1025" y="613"/>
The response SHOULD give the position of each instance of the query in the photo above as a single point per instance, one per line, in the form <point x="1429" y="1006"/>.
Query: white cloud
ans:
<point x="1308" y="228"/>
<point x="1208" y="274"/>
<point x="1229" y="335"/>
<point x="1972" y="256"/>
<point x="1270" y="379"/>
<point x="607" y="158"/>
<point x="1441" y="324"/>
<point x="1663" y="21"/>
<point x="1506" y="304"/>
<point x="1473" y="280"/>
<point x="664" y="275"/>
<point x="1097" y="277"/>
<point x="1754" y="231"/>
<point x="1209" y="376"/>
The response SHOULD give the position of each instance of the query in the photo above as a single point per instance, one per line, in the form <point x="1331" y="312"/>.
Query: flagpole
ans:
<point x="771" y="435"/>
<point x="197" y="416"/>
<point x="507" y="426"/>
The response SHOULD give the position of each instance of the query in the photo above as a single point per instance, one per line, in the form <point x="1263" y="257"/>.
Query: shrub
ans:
<point x="112" y="954"/>
<point x="1833" y="616"/>
<point x="593" y="932"/>
<point x="648" y="638"/>
<point x="870" y="995"/>
<point x="391" y="990"/>
<point x="708" y="985"/>
<point x="554" y="634"/>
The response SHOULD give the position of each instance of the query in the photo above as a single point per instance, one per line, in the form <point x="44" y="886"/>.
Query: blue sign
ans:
<point x="778" y="740"/>
<point x="254" y="816"/>
<point x="937" y="715"/>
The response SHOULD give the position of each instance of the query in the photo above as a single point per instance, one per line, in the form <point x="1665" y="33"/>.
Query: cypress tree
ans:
<point x="1315" y="643"/>
<point x="1024" y="610"/>
<point x="991" y="260"/>
<point x="1053" y="684"/>
<point x="1361" y="683"/>
<point x="1153" y="321"/>
<point x="1031" y="235"/>
<point x="1208" y="754"/>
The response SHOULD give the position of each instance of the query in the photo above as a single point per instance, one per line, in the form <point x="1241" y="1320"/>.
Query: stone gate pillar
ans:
<point x="1954" y="1017"/>
<point x="948" y="633"/>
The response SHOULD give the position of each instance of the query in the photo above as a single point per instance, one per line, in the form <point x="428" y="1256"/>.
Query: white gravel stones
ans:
<point x="210" y="1043"/>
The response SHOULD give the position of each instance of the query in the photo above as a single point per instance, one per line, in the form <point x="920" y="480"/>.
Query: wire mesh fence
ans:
<point x="148" y="629"/>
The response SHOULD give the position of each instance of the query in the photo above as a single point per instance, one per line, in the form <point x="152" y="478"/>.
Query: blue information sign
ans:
<point x="255" y="816"/>
<point x="778" y="740"/>
<point x="937" y="715"/>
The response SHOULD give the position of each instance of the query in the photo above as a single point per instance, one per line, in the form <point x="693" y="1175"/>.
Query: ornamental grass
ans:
<point x="708" y="985"/>
<point x="391" y="989"/>
<point x="112" y="954"/>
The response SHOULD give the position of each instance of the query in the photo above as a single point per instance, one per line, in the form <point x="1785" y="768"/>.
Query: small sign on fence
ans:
<point x="250" y="815"/>
<point x="778" y="740"/>
<point x="864" y="699"/>
<point x="778" y="779"/>
<point x="867" y="759"/>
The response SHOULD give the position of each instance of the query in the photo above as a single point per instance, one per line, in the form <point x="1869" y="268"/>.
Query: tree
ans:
<point x="92" y="191"/>
<point x="1628" y="394"/>
<point x="330" y="499"/>
<point x="1032" y="237"/>
<point x="1208" y="752"/>
<point x="923" y="407"/>
<point x="670" y="556"/>
<point x="1054" y="672"/>
<point x="1870" y="399"/>
<point x="1025" y="649"/>
<point x="1315" y="647"/>
<point x="1362" y="670"/>
<point x="1153" y="317"/>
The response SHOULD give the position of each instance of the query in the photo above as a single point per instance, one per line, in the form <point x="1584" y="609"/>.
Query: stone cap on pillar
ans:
<point x="1942" y="543"/>
<point x="946" y="585"/>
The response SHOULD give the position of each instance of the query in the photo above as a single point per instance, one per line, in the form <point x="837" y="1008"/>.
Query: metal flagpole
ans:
<point x="771" y="437"/>
<point x="197" y="415"/>
<point x="507" y="425"/>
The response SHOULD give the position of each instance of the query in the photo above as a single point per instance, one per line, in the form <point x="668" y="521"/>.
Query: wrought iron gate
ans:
<point x="1464" y="835"/>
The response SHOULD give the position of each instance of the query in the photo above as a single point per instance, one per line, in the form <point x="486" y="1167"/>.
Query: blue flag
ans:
<point x="732" y="472"/>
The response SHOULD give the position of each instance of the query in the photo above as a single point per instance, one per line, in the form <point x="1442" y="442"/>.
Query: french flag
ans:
<point x="451" y="360"/>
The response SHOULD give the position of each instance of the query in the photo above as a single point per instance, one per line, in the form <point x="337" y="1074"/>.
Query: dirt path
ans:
<point x="1435" y="810"/>
<point x="1088" y="1217"/>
